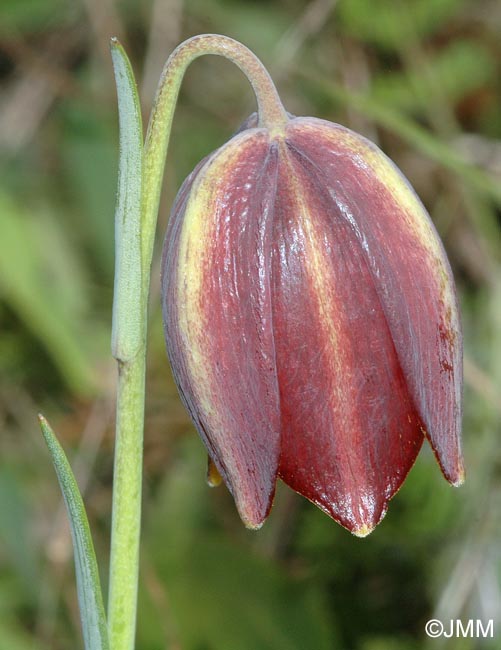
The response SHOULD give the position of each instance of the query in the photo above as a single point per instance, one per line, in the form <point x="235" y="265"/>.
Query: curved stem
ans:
<point x="271" y="112"/>
<point x="140" y="182"/>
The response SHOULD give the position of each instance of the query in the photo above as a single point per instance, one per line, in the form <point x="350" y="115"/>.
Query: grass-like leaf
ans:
<point x="90" y="597"/>
<point x="125" y="341"/>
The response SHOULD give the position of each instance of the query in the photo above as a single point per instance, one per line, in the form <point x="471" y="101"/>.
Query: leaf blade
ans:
<point x="126" y="341"/>
<point x="94" y="627"/>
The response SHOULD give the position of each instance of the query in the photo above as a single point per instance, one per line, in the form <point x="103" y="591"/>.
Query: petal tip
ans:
<point x="363" y="530"/>
<point x="460" y="479"/>
<point x="253" y="513"/>
<point x="252" y="520"/>
<point x="252" y="525"/>
<point x="455" y="475"/>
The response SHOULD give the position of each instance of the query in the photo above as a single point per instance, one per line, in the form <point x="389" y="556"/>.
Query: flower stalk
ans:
<point x="140" y="181"/>
<point x="271" y="114"/>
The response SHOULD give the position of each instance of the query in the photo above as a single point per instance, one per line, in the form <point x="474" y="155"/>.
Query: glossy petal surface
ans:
<point x="217" y="313"/>
<point x="412" y="275"/>
<point x="311" y="321"/>
<point x="350" y="432"/>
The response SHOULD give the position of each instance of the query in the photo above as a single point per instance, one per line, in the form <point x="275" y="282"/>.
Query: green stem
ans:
<point x="128" y="346"/>
<point x="272" y="115"/>
<point x="140" y="182"/>
<point x="126" y="523"/>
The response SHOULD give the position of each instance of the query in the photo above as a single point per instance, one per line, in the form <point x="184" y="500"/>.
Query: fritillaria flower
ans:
<point x="311" y="321"/>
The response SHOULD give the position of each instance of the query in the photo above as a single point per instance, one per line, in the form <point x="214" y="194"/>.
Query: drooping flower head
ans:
<point x="311" y="321"/>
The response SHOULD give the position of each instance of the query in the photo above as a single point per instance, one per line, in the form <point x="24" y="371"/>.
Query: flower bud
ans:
<point x="311" y="321"/>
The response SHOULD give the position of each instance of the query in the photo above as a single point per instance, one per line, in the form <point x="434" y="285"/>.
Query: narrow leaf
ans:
<point x="127" y="309"/>
<point x="90" y="598"/>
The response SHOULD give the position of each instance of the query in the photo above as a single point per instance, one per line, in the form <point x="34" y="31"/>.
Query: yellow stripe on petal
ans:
<point x="218" y="313"/>
<point x="368" y="157"/>
<point x="330" y="319"/>
<point x="195" y="247"/>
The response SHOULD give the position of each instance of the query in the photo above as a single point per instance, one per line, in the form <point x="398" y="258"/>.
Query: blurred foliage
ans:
<point x="422" y="78"/>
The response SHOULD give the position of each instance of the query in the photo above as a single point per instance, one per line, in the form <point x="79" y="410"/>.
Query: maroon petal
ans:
<point x="413" y="279"/>
<point x="217" y="315"/>
<point x="350" y="431"/>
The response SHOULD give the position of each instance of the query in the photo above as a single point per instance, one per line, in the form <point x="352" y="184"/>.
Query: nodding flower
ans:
<point x="311" y="321"/>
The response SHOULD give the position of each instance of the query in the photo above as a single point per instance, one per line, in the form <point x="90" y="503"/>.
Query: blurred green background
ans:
<point x="419" y="77"/>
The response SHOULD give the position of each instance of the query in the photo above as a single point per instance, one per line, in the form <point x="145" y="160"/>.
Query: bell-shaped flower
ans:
<point x="311" y="321"/>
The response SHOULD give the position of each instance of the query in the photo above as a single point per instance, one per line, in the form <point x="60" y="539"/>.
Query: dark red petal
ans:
<point x="350" y="432"/>
<point x="217" y="315"/>
<point x="412" y="275"/>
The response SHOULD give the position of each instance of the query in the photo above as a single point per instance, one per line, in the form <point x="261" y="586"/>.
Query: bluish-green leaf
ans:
<point x="127" y="329"/>
<point x="90" y="597"/>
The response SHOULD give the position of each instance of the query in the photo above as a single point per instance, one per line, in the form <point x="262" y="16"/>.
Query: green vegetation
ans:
<point x="422" y="78"/>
